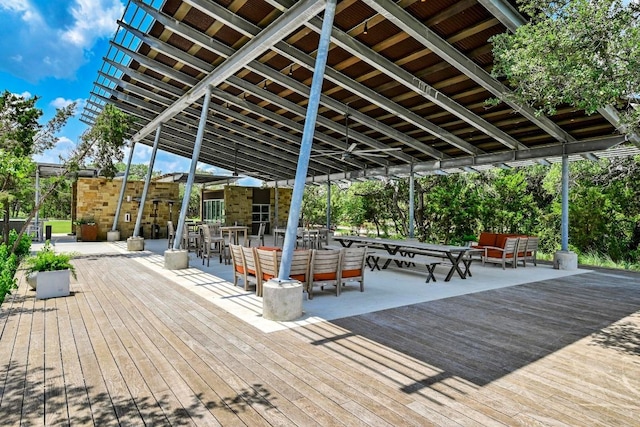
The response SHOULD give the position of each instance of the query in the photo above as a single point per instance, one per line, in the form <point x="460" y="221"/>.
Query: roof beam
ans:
<point x="242" y="26"/>
<point x="573" y="148"/>
<point x="419" y="86"/>
<point x="443" y="49"/>
<point x="512" y="19"/>
<point x="290" y="20"/>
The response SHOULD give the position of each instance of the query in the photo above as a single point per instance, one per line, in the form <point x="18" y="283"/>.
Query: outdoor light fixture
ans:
<point x="366" y="28"/>
<point x="291" y="70"/>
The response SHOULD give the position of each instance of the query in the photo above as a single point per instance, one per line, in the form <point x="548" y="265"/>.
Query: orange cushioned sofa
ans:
<point x="494" y="243"/>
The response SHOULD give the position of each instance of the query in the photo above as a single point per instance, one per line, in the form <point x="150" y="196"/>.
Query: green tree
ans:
<point x="23" y="136"/>
<point x="584" y="53"/>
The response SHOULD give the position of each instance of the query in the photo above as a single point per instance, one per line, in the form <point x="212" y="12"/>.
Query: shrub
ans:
<point x="8" y="267"/>
<point x="24" y="247"/>
<point x="48" y="260"/>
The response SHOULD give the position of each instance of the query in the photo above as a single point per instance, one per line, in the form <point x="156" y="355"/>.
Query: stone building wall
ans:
<point x="98" y="198"/>
<point x="239" y="200"/>
<point x="237" y="204"/>
<point x="284" y="203"/>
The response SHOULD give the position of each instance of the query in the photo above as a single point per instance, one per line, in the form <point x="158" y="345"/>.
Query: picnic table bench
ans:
<point x="374" y="257"/>
<point x="458" y="256"/>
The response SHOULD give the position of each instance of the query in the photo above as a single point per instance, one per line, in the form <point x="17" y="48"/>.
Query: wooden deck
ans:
<point x="129" y="347"/>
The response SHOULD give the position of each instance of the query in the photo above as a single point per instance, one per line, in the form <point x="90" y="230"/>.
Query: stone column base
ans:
<point x="135" y="244"/>
<point x="176" y="260"/>
<point x="113" y="236"/>
<point x="565" y="260"/>
<point x="282" y="300"/>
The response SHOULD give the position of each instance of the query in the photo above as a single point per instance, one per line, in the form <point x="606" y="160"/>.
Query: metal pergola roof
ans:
<point x="412" y="75"/>
<point x="199" y="178"/>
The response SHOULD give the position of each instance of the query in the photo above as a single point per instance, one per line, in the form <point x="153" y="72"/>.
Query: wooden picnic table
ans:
<point x="455" y="254"/>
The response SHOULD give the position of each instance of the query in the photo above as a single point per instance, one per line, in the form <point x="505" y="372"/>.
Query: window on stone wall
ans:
<point x="214" y="211"/>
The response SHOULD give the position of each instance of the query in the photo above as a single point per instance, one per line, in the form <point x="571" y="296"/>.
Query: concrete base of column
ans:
<point x="565" y="260"/>
<point x="176" y="260"/>
<point x="113" y="236"/>
<point x="282" y="300"/>
<point x="135" y="244"/>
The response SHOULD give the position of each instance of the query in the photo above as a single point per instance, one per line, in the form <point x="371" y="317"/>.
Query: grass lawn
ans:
<point x="59" y="226"/>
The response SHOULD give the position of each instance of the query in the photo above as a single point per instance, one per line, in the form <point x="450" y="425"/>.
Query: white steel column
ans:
<point x="192" y="170"/>
<point x="307" y="140"/>
<point x="411" y="204"/>
<point x="147" y="182"/>
<point x="114" y="227"/>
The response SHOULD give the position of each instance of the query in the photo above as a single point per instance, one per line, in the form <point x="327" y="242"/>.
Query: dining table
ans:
<point x="309" y="236"/>
<point x="409" y="248"/>
<point x="233" y="231"/>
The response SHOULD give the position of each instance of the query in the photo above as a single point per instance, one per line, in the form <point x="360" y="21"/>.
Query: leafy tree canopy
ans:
<point x="582" y="53"/>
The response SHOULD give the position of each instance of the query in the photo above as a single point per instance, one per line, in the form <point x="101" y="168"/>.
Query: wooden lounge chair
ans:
<point x="269" y="262"/>
<point x="352" y="266"/>
<point x="504" y="255"/>
<point x="250" y="268"/>
<point x="521" y="249"/>
<point x="530" y="252"/>
<point x="324" y="270"/>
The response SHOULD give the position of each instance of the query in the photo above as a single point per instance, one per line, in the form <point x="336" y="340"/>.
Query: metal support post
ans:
<point x="147" y="182"/>
<point x="192" y="170"/>
<point x="37" y="219"/>
<point x="114" y="227"/>
<point x="307" y="140"/>
<point x="328" y="202"/>
<point x="564" y="229"/>
<point x="411" y="204"/>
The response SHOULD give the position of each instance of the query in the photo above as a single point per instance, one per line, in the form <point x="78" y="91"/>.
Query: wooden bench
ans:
<point x="374" y="257"/>
<point x="467" y="260"/>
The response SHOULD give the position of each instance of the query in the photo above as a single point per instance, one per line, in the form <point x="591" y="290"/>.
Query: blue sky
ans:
<point x="54" y="49"/>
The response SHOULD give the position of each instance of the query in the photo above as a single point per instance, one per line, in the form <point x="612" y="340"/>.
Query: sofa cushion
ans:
<point x="495" y="253"/>
<point x="487" y="239"/>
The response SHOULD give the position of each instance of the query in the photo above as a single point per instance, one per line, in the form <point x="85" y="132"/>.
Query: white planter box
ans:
<point x="53" y="284"/>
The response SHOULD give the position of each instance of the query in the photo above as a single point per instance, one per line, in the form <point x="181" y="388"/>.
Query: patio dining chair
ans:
<point x="190" y="239"/>
<point x="258" y="237"/>
<point x="324" y="270"/>
<point x="171" y="234"/>
<point x="211" y="244"/>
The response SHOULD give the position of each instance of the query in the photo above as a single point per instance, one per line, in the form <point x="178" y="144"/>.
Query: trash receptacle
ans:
<point x="47" y="232"/>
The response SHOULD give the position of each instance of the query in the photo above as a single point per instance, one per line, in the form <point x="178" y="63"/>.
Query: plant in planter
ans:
<point x="49" y="272"/>
<point x="88" y="229"/>
<point x="469" y="239"/>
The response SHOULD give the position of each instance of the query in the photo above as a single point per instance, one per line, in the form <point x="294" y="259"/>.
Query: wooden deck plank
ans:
<point x="75" y="387"/>
<point x="185" y="384"/>
<point x="55" y="401"/>
<point x="33" y="409"/>
<point x="14" y="363"/>
<point x="136" y="348"/>
<point x="119" y="340"/>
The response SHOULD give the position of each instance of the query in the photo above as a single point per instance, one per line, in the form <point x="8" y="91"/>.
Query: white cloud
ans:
<point x="26" y="94"/>
<point x="93" y="19"/>
<point x="39" y="39"/>
<point x="60" y="102"/>
<point x="61" y="150"/>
